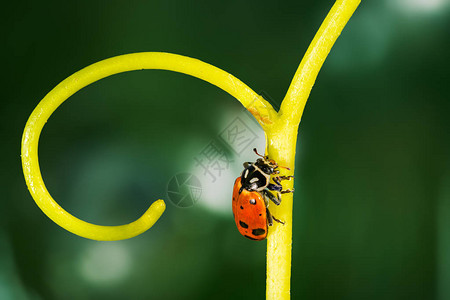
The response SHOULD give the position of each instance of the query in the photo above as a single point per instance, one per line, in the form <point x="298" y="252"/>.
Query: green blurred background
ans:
<point x="372" y="200"/>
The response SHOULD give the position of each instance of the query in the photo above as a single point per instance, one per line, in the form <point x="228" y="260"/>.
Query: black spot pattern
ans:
<point x="258" y="231"/>
<point x="244" y="225"/>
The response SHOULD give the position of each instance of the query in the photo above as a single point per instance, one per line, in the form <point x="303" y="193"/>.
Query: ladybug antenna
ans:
<point x="272" y="161"/>
<point x="256" y="151"/>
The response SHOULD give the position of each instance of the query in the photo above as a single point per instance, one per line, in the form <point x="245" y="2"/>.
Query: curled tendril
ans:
<point x="88" y="75"/>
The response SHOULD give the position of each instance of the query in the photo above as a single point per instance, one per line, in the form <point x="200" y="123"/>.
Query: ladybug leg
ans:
<point x="279" y="221"/>
<point x="268" y="194"/>
<point x="274" y="187"/>
<point x="283" y="192"/>
<point x="269" y="217"/>
<point x="278" y="179"/>
<point x="287" y="191"/>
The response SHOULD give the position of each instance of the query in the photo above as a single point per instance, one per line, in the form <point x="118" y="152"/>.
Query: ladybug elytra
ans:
<point x="251" y="195"/>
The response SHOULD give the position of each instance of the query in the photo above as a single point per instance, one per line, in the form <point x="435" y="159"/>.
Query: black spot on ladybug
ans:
<point x="260" y="215"/>
<point x="249" y="237"/>
<point x="241" y="189"/>
<point x="244" y="225"/>
<point x="252" y="201"/>
<point x="258" y="231"/>
<point x="242" y="207"/>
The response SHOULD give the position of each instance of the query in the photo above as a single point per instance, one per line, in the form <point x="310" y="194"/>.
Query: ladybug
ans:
<point x="251" y="195"/>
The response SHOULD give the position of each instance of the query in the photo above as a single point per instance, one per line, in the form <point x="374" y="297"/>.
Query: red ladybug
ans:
<point x="250" y="213"/>
<point x="251" y="195"/>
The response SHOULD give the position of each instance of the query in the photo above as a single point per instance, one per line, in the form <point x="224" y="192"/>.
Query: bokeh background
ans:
<point x="372" y="201"/>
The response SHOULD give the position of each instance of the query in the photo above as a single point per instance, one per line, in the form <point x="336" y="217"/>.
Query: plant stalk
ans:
<point x="281" y="143"/>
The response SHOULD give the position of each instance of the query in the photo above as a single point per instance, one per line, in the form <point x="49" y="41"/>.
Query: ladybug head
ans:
<point x="266" y="168"/>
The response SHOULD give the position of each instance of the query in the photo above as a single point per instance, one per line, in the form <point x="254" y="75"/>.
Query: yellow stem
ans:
<point x="281" y="143"/>
<point x="294" y="102"/>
